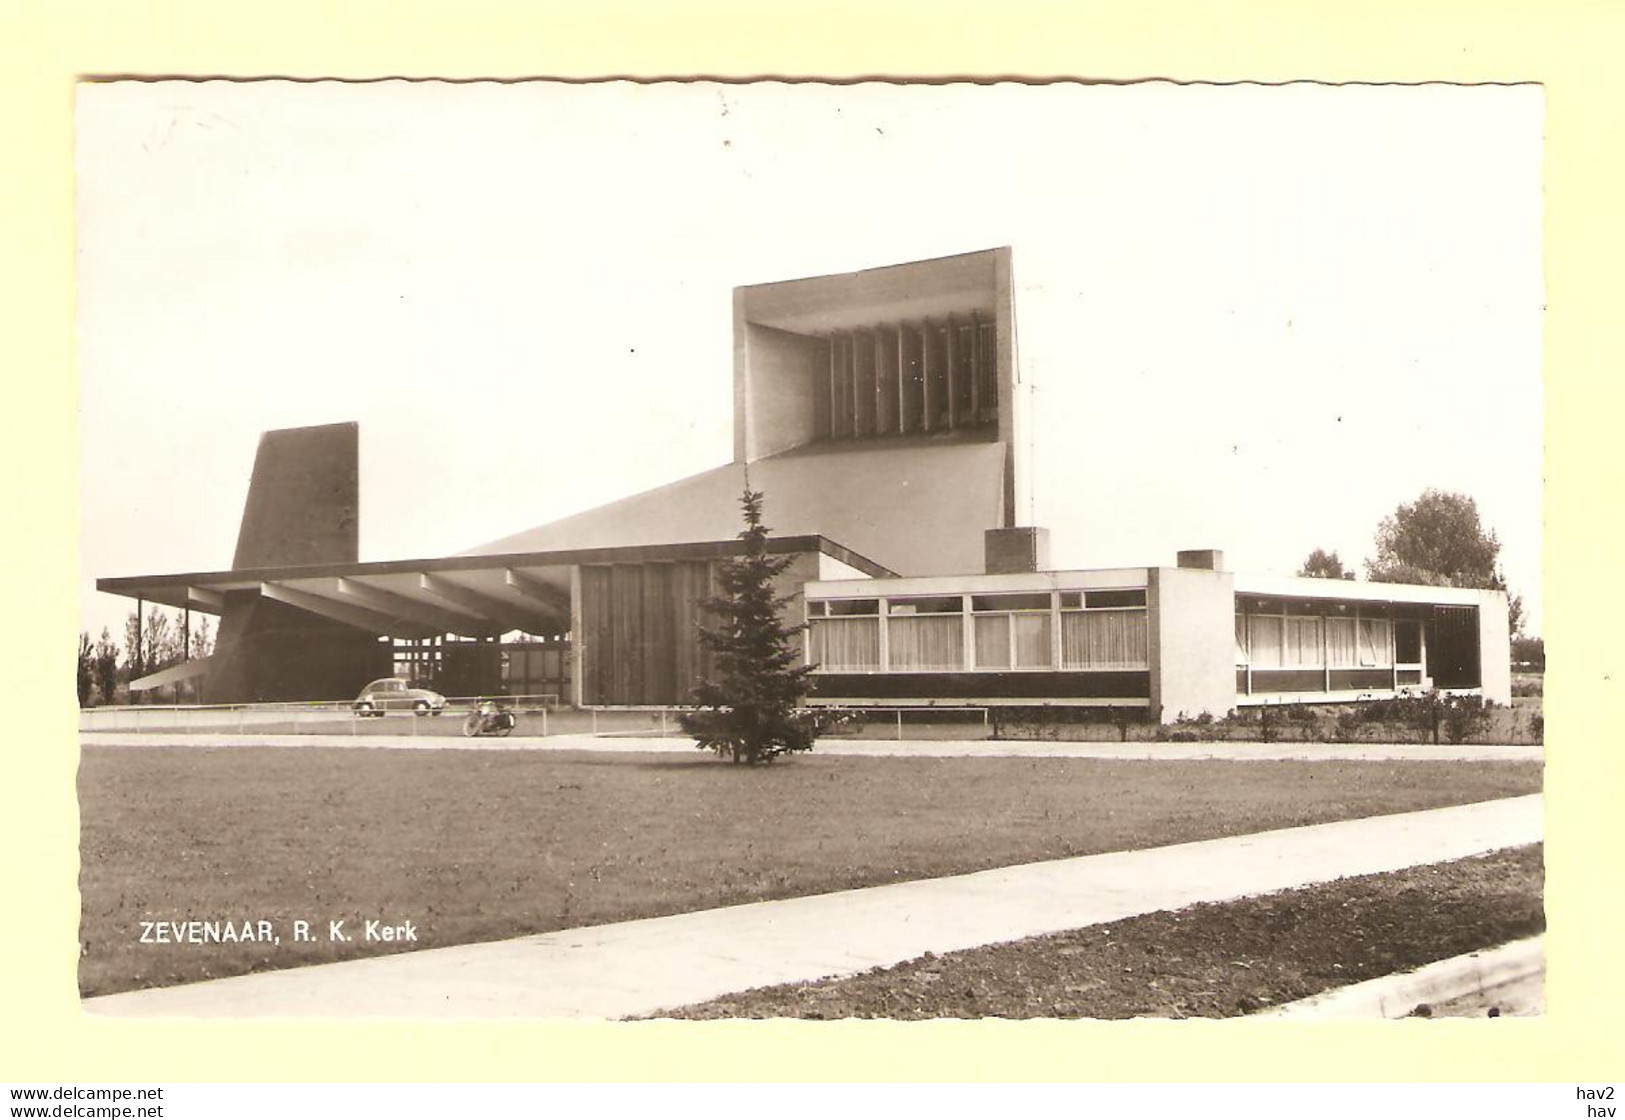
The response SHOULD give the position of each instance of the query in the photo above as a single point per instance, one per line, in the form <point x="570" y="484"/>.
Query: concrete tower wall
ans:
<point x="303" y="507"/>
<point x="304" y="501"/>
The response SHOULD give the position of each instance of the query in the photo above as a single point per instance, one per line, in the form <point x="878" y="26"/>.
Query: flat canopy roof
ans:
<point x="929" y="289"/>
<point x="1349" y="590"/>
<point x="1261" y="586"/>
<point x="469" y="595"/>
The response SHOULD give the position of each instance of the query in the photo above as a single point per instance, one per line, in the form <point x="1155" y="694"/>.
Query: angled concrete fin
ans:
<point x="303" y="502"/>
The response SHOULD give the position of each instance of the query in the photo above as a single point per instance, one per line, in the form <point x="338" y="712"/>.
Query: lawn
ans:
<point x="475" y="846"/>
<point x="1210" y="960"/>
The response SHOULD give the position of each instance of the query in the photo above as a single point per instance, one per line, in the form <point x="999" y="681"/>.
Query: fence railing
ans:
<point x="303" y="716"/>
<point x="539" y="714"/>
<point x="868" y="722"/>
<point x="975" y="720"/>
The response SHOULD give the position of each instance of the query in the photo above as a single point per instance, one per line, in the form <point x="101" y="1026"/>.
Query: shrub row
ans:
<point x="1432" y="717"/>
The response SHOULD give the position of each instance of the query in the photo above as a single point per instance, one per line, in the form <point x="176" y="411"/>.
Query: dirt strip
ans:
<point x="1210" y="960"/>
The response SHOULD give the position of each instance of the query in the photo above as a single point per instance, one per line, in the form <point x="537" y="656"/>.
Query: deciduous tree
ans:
<point x="1439" y="540"/>
<point x="87" y="668"/>
<point x="1321" y="564"/>
<point x="203" y="639"/>
<point x="106" y="668"/>
<point x="151" y="642"/>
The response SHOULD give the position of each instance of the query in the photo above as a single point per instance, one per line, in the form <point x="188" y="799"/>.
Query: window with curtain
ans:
<point x="925" y="642"/>
<point x="1340" y="652"/>
<point x="1375" y="642"/>
<point x="925" y="634"/>
<point x="1031" y="635"/>
<point x="1303" y="649"/>
<point x="1241" y="638"/>
<point x="1103" y="639"/>
<point x="1013" y="630"/>
<point x="993" y="641"/>
<point x="850" y="645"/>
<point x="1265" y="642"/>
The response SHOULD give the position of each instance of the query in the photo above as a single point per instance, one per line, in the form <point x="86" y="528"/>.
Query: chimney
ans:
<point x="1207" y="559"/>
<point x="1021" y="549"/>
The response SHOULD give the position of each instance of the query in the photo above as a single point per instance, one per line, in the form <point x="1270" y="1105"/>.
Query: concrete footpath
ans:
<point x="641" y="967"/>
<point x="876" y="748"/>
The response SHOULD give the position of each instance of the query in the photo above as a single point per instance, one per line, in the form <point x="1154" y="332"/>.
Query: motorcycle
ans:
<point x="488" y="718"/>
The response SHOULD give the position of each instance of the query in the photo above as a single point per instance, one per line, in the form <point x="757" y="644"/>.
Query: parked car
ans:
<point x="397" y="694"/>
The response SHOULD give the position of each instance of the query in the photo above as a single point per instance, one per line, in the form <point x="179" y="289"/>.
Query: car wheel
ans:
<point x="364" y="709"/>
<point x="421" y="708"/>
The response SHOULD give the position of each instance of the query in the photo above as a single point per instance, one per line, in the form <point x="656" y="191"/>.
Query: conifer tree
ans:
<point x="749" y="703"/>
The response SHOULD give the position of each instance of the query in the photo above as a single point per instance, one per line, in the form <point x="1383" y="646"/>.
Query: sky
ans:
<point x="1249" y="318"/>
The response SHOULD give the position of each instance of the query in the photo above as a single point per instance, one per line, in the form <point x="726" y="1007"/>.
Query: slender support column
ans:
<point x="834" y="391"/>
<point x="578" y="644"/>
<point x="902" y="383"/>
<point x="926" y="403"/>
<point x="139" y="668"/>
<point x="1057" y="648"/>
<point x="967" y="636"/>
<point x="885" y="636"/>
<point x="975" y="369"/>
<point x="880" y="385"/>
<point x="1326" y="653"/>
<point x="863" y="391"/>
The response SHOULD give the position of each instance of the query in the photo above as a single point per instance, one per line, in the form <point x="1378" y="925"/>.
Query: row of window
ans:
<point x="1337" y="638"/>
<point x="955" y="604"/>
<point x="958" y="633"/>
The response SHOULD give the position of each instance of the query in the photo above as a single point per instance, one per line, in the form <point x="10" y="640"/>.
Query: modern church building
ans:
<point x="879" y="412"/>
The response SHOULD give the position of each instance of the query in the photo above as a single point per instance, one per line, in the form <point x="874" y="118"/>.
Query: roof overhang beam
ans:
<point x="362" y="618"/>
<point x="549" y="598"/>
<point x="204" y="598"/>
<point x="505" y="615"/>
<point x="412" y="610"/>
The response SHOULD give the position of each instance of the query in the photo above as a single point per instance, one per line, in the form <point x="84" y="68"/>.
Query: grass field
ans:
<point x="1210" y="960"/>
<point x="474" y="846"/>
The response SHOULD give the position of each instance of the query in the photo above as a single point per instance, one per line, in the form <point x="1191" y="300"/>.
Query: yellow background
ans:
<point x="1572" y="48"/>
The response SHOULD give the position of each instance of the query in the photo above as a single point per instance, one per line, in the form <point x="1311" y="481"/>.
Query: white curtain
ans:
<point x="1340" y="642"/>
<point x="846" y="644"/>
<point x="1103" y="639"/>
<point x="917" y="643"/>
<point x="1303" y="642"/>
<point x="1266" y="643"/>
<point x="1032" y="640"/>
<point x="1241" y="638"/>
<point x="993" y="641"/>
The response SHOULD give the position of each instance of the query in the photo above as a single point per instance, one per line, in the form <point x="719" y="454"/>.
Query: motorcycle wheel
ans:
<point x="471" y="725"/>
